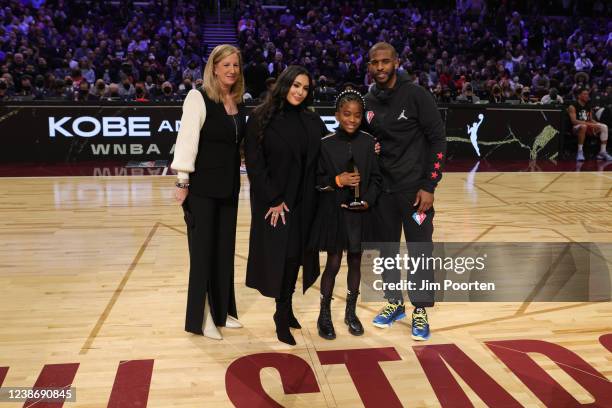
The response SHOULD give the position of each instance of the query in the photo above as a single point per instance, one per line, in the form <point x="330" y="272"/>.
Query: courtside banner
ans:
<point x="487" y="271"/>
<point x="52" y="132"/>
<point x="55" y="133"/>
<point x="503" y="133"/>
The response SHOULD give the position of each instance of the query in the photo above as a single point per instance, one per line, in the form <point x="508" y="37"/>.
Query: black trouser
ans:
<point x="394" y="211"/>
<point x="211" y="234"/>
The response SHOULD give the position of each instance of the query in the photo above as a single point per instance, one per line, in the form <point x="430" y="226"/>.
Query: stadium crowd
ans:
<point x="466" y="53"/>
<point x="80" y="51"/>
<point x="525" y="52"/>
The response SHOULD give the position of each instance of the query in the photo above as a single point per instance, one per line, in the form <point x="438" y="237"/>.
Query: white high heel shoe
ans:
<point x="232" y="323"/>
<point x="208" y="326"/>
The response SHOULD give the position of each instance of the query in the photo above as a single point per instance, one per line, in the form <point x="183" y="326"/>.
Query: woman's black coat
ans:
<point x="273" y="167"/>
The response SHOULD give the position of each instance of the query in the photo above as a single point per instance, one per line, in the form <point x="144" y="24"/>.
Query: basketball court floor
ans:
<point x="94" y="278"/>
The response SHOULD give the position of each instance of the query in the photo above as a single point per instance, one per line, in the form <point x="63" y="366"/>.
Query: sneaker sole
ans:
<point x="418" y="338"/>
<point x="384" y="326"/>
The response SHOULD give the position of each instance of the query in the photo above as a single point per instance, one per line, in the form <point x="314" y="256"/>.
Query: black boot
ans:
<point x="350" y="318"/>
<point x="281" y="320"/>
<point x="293" y="322"/>
<point x="324" y="323"/>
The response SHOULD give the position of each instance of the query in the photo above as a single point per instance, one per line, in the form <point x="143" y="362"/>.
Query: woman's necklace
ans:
<point x="229" y="104"/>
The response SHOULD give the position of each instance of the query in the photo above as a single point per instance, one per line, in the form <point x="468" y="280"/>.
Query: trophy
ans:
<point x="355" y="204"/>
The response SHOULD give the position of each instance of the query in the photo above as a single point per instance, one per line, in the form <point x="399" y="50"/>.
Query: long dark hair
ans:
<point x="276" y="99"/>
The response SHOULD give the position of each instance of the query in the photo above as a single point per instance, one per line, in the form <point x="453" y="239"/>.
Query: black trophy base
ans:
<point x="356" y="205"/>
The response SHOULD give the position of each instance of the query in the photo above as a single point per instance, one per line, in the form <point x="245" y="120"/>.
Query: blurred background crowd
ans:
<point x="463" y="52"/>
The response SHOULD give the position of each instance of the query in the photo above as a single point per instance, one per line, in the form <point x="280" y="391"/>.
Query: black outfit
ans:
<point x="583" y="112"/>
<point x="211" y="210"/>
<point x="406" y="122"/>
<point x="336" y="229"/>
<point x="497" y="99"/>
<point x="281" y="168"/>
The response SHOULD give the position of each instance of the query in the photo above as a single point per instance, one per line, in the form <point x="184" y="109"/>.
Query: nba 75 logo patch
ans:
<point x="419" y="218"/>
<point x="369" y="116"/>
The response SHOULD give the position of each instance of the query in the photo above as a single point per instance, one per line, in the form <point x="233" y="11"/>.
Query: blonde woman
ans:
<point x="207" y="159"/>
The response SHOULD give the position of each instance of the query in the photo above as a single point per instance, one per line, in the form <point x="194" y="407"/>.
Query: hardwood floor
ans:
<point x="94" y="272"/>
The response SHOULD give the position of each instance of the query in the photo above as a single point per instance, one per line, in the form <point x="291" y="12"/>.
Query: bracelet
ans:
<point x="181" y="185"/>
<point x="338" y="182"/>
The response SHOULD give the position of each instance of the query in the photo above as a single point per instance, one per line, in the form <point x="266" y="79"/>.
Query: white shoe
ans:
<point x="580" y="156"/>
<point x="604" y="156"/>
<point x="232" y="323"/>
<point x="208" y="326"/>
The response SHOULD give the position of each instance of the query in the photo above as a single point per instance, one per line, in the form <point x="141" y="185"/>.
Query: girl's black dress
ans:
<point x="336" y="229"/>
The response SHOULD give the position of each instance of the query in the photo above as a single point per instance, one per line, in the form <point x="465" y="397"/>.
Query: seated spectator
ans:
<point x="41" y="92"/>
<point x="141" y="93"/>
<point x="278" y="65"/>
<point x="126" y="90"/>
<point x="67" y="92"/>
<point x="192" y="70"/>
<point x="602" y="104"/>
<point x="246" y="23"/>
<point x="88" y="73"/>
<point x="446" y="96"/>
<point x="83" y="95"/>
<point x="583" y="63"/>
<point x="99" y="90"/>
<point x="467" y="94"/>
<point x="552" y="97"/>
<point x="25" y="92"/>
<point x="584" y="125"/>
<point x="151" y="87"/>
<point x="287" y="19"/>
<point x="185" y="87"/>
<point x="323" y="92"/>
<point x="114" y="94"/>
<point x="540" y="82"/>
<point x="270" y="82"/>
<point x="167" y="94"/>
<point x="525" y="96"/>
<point x="5" y="94"/>
<point x="496" y="95"/>
<point x="349" y="86"/>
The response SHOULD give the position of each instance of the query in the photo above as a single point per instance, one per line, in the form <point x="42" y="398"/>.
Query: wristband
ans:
<point x="181" y="185"/>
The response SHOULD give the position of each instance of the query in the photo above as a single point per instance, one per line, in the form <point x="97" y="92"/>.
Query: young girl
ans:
<point x="349" y="182"/>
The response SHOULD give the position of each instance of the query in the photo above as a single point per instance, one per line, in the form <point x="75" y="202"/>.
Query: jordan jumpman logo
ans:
<point x="402" y="115"/>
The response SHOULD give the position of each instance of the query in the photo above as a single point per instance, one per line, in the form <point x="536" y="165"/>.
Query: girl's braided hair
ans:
<point x="349" y="95"/>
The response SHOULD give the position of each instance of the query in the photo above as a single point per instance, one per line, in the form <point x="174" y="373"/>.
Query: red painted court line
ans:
<point x="132" y="384"/>
<point x="3" y="371"/>
<point x="53" y="376"/>
<point x="243" y="381"/>
<point x="363" y="366"/>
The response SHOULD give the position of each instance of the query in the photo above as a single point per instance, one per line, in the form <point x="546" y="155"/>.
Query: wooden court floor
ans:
<point x="94" y="276"/>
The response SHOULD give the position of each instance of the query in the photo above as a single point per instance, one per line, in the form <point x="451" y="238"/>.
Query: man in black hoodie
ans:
<point x="405" y="120"/>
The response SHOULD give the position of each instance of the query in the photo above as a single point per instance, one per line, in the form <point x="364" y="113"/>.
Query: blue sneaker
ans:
<point x="390" y="313"/>
<point x="420" y="325"/>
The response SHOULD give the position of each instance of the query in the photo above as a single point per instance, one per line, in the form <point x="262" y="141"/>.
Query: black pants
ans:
<point x="392" y="212"/>
<point x="211" y="234"/>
